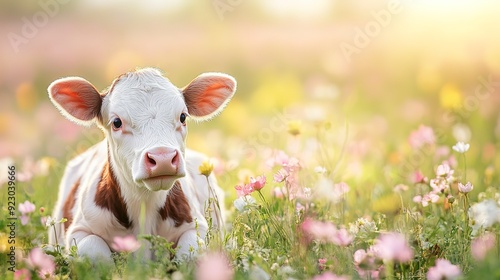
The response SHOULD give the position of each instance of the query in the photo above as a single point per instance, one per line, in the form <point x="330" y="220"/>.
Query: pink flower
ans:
<point x="342" y="238"/>
<point x="26" y="207"/>
<point x="482" y="245"/>
<point x="432" y="197"/>
<point x="258" y="183"/>
<point x="465" y="188"/>
<point x="125" y="244"/>
<point x="289" y="175"/>
<point x="280" y="176"/>
<point x="439" y="185"/>
<point x="321" y="231"/>
<point x="299" y="207"/>
<point x="244" y="189"/>
<point x="359" y="256"/>
<point x="43" y="220"/>
<point x="442" y="151"/>
<point x="393" y="246"/>
<point x="365" y="265"/>
<point x="423" y="135"/>
<point x="326" y="232"/>
<point x="292" y="165"/>
<point x="443" y="270"/>
<point x="22" y="274"/>
<point x="24" y="219"/>
<point x="340" y="188"/>
<point x="418" y="177"/>
<point x="38" y="260"/>
<point x="278" y="192"/>
<point x="281" y="158"/>
<point x="444" y="170"/>
<point x="276" y="157"/>
<point x="214" y="266"/>
<point x="322" y="264"/>
<point x="424" y="200"/>
<point x="329" y="276"/>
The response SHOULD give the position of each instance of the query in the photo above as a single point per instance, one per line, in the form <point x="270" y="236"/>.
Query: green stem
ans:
<point x="389" y="270"/>
<point x="467" y="230"/>
<point x="57" y="242"/>
<point x="215" y="201"/>
<point x="275" y="224"/>
<point x="465" y="168"/>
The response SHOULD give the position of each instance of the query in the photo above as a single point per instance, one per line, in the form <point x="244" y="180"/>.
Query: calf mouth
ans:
<point x="164" y="177"/>
<point x="163" y="182"/>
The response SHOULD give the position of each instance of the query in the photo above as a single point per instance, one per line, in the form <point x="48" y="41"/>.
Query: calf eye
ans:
<point x="183" y="118"/>
<point x="117" y="123"/>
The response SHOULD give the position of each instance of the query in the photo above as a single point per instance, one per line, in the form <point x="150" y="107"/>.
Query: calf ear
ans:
<point x="208" y="94"/>
<point x="76" y="98"/>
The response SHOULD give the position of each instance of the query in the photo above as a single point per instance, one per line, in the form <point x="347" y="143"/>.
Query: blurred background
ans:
<point x="380" y="68"/>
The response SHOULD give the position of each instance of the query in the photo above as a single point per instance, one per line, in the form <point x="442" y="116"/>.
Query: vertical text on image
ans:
<point x="11" y="218"/>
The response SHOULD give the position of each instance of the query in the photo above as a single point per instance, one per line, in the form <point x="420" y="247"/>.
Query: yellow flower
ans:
<point x="450" y="97"/>
<point x="206" y="168"/>
<point x="3" y="242"/>
<point x="388" y="204"/>
<point x="294" y="127"/>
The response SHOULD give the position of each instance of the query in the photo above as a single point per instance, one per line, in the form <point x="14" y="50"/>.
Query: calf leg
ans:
<point x="90" y="245"/>
<point x="188" y="245"/>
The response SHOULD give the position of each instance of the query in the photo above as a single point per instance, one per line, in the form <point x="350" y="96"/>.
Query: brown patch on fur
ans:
<point x="69" y="203"/>
<point x="108" y="196"/>
<point x="176" y="206"/>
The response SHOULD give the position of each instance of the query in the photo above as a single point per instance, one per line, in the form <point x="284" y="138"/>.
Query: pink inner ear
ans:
<point x="212" y="98"/>
<point x="77" y="97"/>
<point x="205" y="96"/>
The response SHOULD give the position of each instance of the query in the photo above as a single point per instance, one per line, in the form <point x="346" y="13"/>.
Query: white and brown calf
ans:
<point x="141" y="161"/>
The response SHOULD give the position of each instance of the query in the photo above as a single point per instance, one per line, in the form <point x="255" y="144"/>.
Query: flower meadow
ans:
<point x="291" y="216"/>
<point x="362" y="141"/>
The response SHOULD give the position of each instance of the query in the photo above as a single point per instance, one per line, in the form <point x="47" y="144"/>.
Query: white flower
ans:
<point x="320" y="169"/>
<point x="50" y="221"/>
<point x="484" y="215"/>
<point x="465" y="188"/>
<point x="241" y="202"/>
<point x="400" y="188"/>
<point x="461" y="147"/>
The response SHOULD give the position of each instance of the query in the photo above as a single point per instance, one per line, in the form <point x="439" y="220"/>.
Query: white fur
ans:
<point x="149" y="107"/>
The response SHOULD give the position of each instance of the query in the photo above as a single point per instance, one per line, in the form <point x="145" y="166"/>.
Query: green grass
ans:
<point x="266" y="237"/>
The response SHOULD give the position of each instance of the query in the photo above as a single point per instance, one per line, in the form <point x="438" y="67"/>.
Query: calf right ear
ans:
<point x="76" y="98"/>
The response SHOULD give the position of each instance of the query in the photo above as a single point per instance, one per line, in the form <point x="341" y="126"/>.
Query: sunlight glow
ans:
<point x="297" y="8"/>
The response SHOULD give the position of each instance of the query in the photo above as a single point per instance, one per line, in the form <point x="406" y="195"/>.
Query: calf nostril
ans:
<point x="151" y="160"/>
<point x="175" y="159"/>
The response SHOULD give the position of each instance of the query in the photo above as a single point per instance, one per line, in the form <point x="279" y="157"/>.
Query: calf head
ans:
<point x="143" y="117"/>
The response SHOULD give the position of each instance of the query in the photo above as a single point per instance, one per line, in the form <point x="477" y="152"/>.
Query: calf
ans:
<point x="141" y="161"/>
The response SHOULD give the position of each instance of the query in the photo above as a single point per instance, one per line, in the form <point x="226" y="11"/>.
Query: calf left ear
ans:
<point x="76" y="98"/>
<point x="208" y="94"/>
